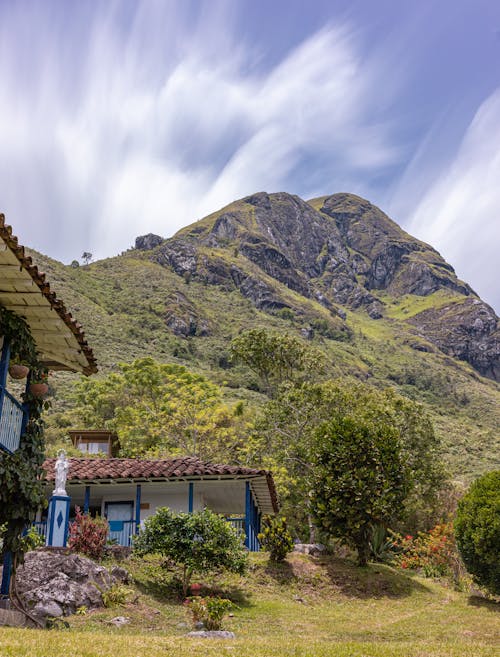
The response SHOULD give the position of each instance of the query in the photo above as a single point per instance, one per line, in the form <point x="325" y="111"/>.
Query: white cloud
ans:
<point x="460" y="213"/>
<point x="144" y="133"/>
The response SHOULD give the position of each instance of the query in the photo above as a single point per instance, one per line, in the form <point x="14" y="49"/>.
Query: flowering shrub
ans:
<point x="275" y="538"/>
<point x="210" y="611"/>
<point x="434" y="552"/>
<point x="88" y="535"/>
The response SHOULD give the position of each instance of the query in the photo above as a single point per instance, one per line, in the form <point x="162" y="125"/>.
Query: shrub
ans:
<point x="199" y="542"/>
<point x="116" y="595"/>
<point x="210" y="611"/>
<point x="433" y="552"/>
<point x="477" y="530"/>
<point x="88" y="535"/>
<point x="275" y="538"/>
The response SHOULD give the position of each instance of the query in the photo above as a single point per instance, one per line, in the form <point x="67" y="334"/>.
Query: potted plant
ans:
<point x="18" y="371"/>
<point x="39" y="385"/>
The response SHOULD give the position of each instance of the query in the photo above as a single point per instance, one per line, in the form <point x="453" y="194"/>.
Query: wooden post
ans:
<point x="86" y="501"/>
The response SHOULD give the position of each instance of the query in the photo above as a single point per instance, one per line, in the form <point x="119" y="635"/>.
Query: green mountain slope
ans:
<point x="382" y="306"/>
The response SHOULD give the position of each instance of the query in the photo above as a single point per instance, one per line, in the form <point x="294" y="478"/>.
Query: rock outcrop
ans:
<point x="53" y="583"/>
<point x="338" y="250"/>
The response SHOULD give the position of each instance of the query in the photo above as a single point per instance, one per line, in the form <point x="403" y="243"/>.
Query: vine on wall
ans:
<point x="21" y="489"/>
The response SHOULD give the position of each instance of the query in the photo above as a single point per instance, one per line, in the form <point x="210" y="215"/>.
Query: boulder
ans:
<point x="53" y="583"/>
<point x="314" y="549"/>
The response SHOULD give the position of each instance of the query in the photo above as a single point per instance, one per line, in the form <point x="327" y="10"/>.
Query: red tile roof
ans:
<point x="95" y="469"/>
<point x="104" y="468"/>
<point x="26" y="263"/>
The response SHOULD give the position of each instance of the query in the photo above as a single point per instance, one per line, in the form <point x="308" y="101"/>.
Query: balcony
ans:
<point x="11" y="421"/>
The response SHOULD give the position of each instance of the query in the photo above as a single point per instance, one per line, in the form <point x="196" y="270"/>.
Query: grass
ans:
<point x="302" y="607"/>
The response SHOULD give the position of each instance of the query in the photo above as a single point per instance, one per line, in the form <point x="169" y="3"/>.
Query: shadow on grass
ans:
<point x="282" y="572"/>
<point x="373" y="581"/>
<point x="485" y="603"/>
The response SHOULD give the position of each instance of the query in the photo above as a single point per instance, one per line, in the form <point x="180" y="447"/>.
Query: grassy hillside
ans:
<point x="303" y="607"/>
<point x="124" y="304"/>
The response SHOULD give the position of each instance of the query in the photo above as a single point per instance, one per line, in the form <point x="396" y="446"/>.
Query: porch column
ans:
<point x="190" y="497"/>
<point x="86" y="501"/>
<point x="138" y="491"/>
<point x="7" y="568"/>
<point x="248" y="515"/>
<point x="4" y="367"/>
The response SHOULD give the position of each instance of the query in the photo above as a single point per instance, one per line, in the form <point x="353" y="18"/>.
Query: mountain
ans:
<point x="383" y="306"/>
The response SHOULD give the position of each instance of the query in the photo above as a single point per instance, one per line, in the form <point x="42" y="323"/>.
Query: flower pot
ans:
<point x="18" y="371"/>
<point x="39" y="390"/>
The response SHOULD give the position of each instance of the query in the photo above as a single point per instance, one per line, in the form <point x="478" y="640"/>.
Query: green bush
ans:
<point x="477" y="530"/>
<point x="275" y="538"/>
<point x="210" y="611"/>
<point x="116" y="595"/>
<point x="199" y="542"/>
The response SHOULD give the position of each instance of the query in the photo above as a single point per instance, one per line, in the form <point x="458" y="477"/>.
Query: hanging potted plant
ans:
<point x="18" y="371"/>
<point x="39" y="385"/>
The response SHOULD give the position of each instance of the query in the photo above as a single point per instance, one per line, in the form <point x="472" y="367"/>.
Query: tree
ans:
<point x="86" y="257"/>
<point x="161" y="409"/>
<point x="199" y="542"/>
<point x="477" y="530"/>
<point x="358" y="480"/>
<point x="283" y="441"/>
<point x="275" y="357"/>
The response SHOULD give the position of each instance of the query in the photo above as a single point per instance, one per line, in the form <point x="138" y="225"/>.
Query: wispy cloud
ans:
<point x="460" y="213"/>
<point x="141" y="132"/>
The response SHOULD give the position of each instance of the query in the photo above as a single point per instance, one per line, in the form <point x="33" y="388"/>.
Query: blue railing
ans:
<point x="11" y="421"/>
<point x="238" y="524"/>
<point x="121" y="531"/>
<point x="40" y="527"/>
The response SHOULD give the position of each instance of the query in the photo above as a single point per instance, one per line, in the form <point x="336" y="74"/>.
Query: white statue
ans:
<point x="62" y="467"/>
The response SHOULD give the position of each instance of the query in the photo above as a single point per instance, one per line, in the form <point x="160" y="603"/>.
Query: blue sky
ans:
<point x="122" y="118"/>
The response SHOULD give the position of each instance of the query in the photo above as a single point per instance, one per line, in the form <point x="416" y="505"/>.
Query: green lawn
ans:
<point x="305" y="607"/>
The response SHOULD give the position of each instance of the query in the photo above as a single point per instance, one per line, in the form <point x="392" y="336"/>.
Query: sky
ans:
<point x="120" y="118"/>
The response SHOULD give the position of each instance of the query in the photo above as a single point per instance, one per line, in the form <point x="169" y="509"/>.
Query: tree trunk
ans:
<point x="312" y="529"/>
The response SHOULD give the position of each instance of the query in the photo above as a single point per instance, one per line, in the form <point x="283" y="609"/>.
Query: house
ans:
<point x="59" y="339"/>
<point x="126" y="491"/>
<point x="33" y="320"/>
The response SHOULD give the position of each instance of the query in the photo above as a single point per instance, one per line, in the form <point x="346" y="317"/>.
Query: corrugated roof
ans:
<point x="104" y="469"/>
<point x="59" y="338"/>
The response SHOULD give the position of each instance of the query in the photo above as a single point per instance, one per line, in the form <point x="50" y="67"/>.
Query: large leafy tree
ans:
<point x="358" y="479"/>
<point x="477" y="530"/>
<point x="276" y="357"/>
<point x="284" y="440"/>
<point x="162" y="409"/>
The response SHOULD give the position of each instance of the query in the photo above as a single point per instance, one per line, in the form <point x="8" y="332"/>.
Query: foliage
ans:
<point x="200" y="542"/>
<point x="358" y="479"/>
<point x="275" y="538"/>
<point x="275" y="357"/>
<point x="210" y="610"/>
<point x="88" y="535"/>
<point x="477" y="529"/>
<point x="433" y="552"/>
<point x="116" y="595"/>
<point x="158" y="409"/>
<point x="32" y="540"/>
<point x="284" y="441"/>
<point x="21" y="487"/>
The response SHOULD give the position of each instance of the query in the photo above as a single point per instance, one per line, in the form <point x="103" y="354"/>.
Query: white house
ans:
<point x="126" y="491"/>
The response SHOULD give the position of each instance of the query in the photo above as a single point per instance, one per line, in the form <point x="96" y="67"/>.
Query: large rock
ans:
<point x="52" y="583"/>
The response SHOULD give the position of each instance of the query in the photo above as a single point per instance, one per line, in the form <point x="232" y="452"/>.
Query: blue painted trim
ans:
<point x="137" y="508"/>
<point x="66" y="522"/>
<point x="86" y="501"/>
<point x="7" y="569"/>
<point x="50" y="522"/>
<point x="190" y="497"/>
<point x="248" y="512"/>
<point x="4" y="366"/>
<point x="4" y="363"/>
